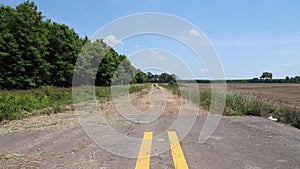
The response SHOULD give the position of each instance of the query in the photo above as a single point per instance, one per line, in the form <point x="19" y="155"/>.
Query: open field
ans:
<point x="277" y="100"/>
<point x="282" y="95"/>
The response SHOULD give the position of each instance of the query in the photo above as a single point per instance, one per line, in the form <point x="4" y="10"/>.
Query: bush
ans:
<point x="289" y="116"/>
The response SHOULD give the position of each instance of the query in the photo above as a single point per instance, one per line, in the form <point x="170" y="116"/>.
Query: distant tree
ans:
<point x="150" y="76"/>
<point x="141" y="77"/>
<point x="165" y="78"/>
<point x="266" y="75"/>
<point x="87" y="70"/>
<point x="254" y="80"/>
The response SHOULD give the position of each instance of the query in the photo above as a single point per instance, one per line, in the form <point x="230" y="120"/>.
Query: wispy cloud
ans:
<point x="111" y="40"/>
<point x="254" y="42"/>
<point x="293" y="52"/>
<point x="203" y="70"/>
<point x="194" y="32"/>
<point x="291" y="64"/>
<point x="156" y="55"/>
<point x="175" y="65"/>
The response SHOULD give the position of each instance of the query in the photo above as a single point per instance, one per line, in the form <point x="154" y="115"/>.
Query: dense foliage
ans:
<point x="36" y="52"/>
<point x="162" y="78"/>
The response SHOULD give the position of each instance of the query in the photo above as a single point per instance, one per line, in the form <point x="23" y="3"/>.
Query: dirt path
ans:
<point x="58" y="140"/>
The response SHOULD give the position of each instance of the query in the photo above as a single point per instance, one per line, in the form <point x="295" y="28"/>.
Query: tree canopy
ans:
<point x="35" y="52"/>
<point x="266" y="75"/>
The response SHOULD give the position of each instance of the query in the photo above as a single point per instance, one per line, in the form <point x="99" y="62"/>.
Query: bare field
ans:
<point x="283" y="95"/>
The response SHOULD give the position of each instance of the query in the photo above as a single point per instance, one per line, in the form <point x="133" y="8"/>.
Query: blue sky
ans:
<point x="250" y="36"/>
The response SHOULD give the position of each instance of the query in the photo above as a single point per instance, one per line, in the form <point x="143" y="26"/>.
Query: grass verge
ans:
<point x="19" y="104"/>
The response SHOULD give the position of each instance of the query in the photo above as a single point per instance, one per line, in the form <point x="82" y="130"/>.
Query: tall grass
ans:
<point x="14" y="103"/>
<point x="19" y="104"/>
<point x="237" y="104"/>
<point x="246" y="104"/>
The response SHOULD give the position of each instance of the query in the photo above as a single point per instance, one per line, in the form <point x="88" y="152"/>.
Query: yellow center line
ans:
<point x="143" y="161"/>
<point x="177" y="154"/>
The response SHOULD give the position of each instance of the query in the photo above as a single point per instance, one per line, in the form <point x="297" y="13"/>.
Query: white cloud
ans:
<point x="203" y="70"/>
<point x="291" y="64"/>
<point x="136" y="46"/>
<point x="111" y="40"/>
<point x="291" y="52"/>
<point x="194" y="32"/>
<point x="175" y="65"/>
<point x="154" y="52"/>
<point x="254" y="42"/>
<point x="156" y="55"/>
<point x="159" y="57"/>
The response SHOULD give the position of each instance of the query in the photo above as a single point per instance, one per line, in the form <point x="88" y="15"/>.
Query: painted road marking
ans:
<point x="177" y="154"/>
<point x="143" y="161"/>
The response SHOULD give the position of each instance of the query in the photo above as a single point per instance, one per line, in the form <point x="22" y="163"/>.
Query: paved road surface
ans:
<point x="58" y="141"/>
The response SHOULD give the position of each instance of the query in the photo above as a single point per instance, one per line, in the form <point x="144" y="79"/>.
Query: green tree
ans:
<point x="63" y="49"/>
<point x="10" y="55"/>
<point x="266" y="75"/>
<point x="107" y="68"/>
<point x="88" y="61"/>
<point x="35" y="52"/>
<point x="32" y="44"/>
<point x="141" y="77"/>
<point x="23" y="50"/>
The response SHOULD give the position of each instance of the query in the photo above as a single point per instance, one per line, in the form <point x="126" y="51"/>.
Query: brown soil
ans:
<point x="282" y="95"/>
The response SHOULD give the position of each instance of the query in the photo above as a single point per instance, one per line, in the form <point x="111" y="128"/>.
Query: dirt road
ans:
<point x="58" y="140"/>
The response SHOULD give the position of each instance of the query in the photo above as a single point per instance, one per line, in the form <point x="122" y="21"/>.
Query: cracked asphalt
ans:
<point x="59" y="141"/>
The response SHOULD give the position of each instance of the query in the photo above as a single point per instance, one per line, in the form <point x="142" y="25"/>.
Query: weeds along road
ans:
<point x="58" y="140"/>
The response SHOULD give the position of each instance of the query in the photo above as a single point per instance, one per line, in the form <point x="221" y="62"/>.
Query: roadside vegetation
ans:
<point x="238" y="104"/>
<point x="19" y="104"/>
<point x="37" y="52"/>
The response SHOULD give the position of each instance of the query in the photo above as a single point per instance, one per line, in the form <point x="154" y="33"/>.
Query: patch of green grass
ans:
<point x="173" y="87"/>
<point x="18" y="104"/>
<point x="14" y="103"/>
<point x="246" y="104"/>
<point x="288" y="115"/>
<point x="133" y="88"/>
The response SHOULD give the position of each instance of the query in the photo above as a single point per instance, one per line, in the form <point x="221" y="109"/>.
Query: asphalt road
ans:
<point x="237" y="143"/>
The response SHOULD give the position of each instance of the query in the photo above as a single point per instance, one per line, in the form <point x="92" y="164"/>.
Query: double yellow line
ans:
<point x="143" y="161"/>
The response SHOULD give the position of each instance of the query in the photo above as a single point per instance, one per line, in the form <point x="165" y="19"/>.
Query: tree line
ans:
<point x="35" y="52"/>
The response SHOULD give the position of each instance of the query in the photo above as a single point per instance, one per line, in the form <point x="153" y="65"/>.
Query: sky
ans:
<point x="249" y="36"/>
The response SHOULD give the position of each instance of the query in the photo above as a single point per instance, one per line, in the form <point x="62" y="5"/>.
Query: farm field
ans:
<point x="279" y="95"/>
